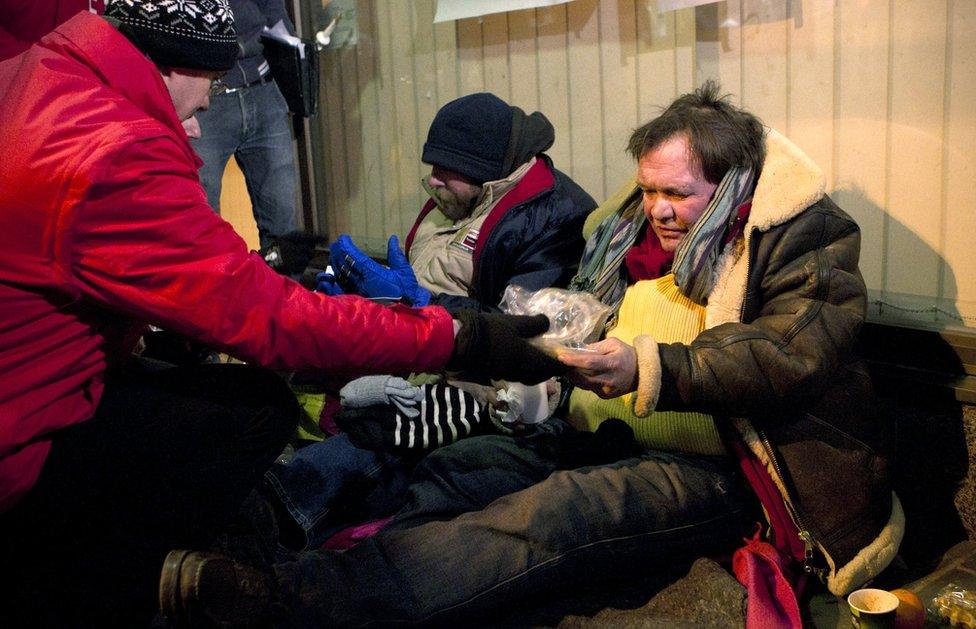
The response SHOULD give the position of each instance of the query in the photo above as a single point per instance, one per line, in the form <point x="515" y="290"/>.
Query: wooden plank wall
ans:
<point x="880" y="93"/>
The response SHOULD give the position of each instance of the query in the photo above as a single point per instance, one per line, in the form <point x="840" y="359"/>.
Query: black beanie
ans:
<point x="470" y="135"/>
<point x="198" y="35"/>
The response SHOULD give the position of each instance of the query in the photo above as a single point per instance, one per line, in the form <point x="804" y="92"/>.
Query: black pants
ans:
<point x="165" y="463"/>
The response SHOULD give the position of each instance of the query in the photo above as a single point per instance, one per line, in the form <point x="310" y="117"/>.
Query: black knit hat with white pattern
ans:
<point x="197" y="34"/>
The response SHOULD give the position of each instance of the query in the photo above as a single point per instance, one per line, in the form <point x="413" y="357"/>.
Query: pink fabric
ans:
<point x="327" y="416"/>
<point x="764" y="568"/>
<point x="784" y="534"/>
<point x="349" y="537"/>
<point x="764" y="571"/>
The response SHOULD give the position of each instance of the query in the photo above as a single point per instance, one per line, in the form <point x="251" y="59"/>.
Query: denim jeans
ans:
<point x="253" y="125"/>
<point x="591" y="524"/>
<point x="333" y="484"/>
<point x="165" y="463"/>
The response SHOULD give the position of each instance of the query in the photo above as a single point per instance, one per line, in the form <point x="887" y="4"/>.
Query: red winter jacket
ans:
<point x="23" y="22"/>
<point x="104" y="227"/>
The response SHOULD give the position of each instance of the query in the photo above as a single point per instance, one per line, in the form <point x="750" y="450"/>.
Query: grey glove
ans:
<point x="374" y="390"/>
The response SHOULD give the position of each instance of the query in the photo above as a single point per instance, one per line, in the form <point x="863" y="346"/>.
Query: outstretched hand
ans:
<point x="610" y="369"/>
<point x="495" y="347"/>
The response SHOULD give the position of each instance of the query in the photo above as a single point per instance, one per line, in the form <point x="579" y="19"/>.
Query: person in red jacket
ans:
<point x="23" y="22"/>
<point x="104" y="228"/>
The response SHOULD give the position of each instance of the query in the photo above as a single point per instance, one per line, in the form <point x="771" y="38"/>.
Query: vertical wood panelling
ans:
<point x="389" y="175"/>
<point x="553" y="78"/>
<point x="720" y="46"/>
<point x="810" y="101"/>
<point x="405" y="119"/>
<point x="523" y="60"/>
<point x="685" y="50"/>
<point x="356" y="212"/>
<point x="337" y="192"/>
<point x="918" y="38"/>
<point x="494" y="30"/>
<point x="959" y="166"/>
<point x="861" y="125"/>
<point x="656" y="70"/>
<point x="880" y="93"/>
<point x="445" y="60"/>
<point x="765" y="82"/>
<point x="585" y="89"/>
<point x="618" y="69"/>
<point x="471" y="56"/>
<point x="372" y="171"/>
<point x="426" y="74"/>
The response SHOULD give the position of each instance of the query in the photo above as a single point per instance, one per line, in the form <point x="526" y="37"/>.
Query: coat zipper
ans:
<point x="809" y="543"/>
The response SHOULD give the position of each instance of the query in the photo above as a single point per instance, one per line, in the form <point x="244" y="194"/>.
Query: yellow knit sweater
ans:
<point x="654" y="307"/>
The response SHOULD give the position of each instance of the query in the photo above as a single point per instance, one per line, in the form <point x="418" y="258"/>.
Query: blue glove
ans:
<point x="357" y="273"/>
<point x="327" y="283"/>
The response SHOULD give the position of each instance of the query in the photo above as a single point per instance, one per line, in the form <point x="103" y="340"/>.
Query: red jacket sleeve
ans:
<point x="145" y="243"/>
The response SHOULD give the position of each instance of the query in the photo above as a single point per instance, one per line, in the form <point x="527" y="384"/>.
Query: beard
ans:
<point x="453" y="206"/>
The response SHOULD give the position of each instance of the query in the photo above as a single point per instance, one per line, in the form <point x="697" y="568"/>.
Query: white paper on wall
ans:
<point x="459" y="9"/>
<point x="673" y="5"/>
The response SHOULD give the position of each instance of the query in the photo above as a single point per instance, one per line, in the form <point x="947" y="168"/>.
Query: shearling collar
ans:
<point x="789" y="183"/>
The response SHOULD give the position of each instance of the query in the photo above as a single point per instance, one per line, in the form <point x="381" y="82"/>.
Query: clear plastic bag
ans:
<point x="575" y="318"/>
<point x="955" y="606"/>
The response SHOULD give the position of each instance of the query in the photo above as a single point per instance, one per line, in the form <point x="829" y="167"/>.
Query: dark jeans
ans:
<point x="165" y="463"/>
<point x="253" y="125"/>
<point x="452" y="564"/>
<point x="333" y="484"/>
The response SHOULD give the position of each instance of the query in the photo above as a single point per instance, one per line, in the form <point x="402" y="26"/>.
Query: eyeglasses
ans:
<point x="217" y="86"/>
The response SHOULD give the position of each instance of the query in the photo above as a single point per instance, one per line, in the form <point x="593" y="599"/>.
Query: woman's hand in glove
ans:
<point x="495" y="347"/>
<point x="610" y="369"/>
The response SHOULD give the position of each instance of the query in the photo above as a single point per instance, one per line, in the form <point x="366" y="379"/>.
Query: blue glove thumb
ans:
<point x="394" y="255"/>
<point x="413" y="292"/>
<point x="327" y="283"/>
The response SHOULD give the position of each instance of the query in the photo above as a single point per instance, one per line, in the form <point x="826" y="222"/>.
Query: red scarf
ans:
<point x="647" y="260"/>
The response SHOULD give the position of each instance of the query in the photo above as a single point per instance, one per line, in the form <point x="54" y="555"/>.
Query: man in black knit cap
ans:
<point x="499" y="213"/>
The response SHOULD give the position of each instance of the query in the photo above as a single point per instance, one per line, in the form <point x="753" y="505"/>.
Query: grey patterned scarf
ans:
<point x="601" y="269"/>
<point x="695" y="258"/>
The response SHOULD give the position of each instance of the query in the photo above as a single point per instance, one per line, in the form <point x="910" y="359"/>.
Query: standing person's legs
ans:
<point x="221" y="130"/>
<point x="596" y="523"/>
<point x="267" y="158"/>
<point x="166" y="461"/>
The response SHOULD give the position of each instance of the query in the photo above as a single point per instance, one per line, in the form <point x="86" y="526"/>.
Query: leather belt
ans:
<point x="258" y="81"/>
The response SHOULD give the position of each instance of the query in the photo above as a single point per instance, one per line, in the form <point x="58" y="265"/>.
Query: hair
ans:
<point x="720" y="135"/>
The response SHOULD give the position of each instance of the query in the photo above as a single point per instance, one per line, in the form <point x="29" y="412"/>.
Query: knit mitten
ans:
<point x="377" y="390"/>
<point x="446" y="414"/>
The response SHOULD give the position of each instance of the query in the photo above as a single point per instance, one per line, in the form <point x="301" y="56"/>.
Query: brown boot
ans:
<point x="210" y="590"/>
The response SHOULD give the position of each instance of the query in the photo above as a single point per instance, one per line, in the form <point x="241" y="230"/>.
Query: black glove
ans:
<point x="446" y="414"/>
<point x="493" y="347"/>
<point x="291" y="253"/>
